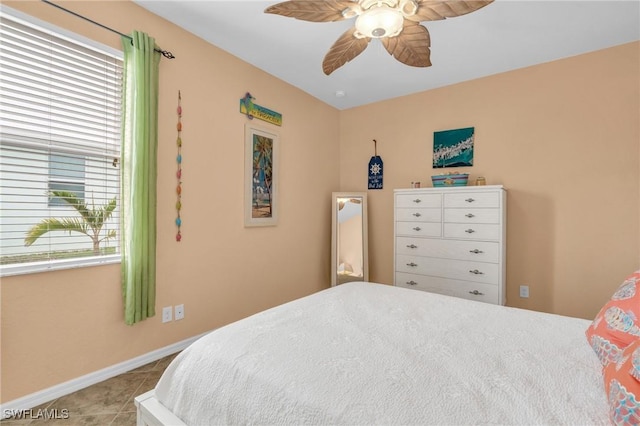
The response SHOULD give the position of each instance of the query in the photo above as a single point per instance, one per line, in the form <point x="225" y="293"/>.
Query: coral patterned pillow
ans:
<point x="616" y="326"/>
<point x="622" y="386"/>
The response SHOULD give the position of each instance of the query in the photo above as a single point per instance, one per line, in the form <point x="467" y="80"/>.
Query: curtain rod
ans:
<point x="164" y="53"/>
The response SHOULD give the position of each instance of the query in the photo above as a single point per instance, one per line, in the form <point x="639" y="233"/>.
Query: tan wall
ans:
<point x="58" y="326"/>
<point x="562" y="137"/>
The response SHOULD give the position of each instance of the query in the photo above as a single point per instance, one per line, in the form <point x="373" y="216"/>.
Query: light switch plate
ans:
<point x="179" y="312"/>
<point x="167" y="313"/>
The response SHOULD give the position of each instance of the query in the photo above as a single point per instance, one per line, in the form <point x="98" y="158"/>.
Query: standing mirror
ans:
<point x="349" y="252"/>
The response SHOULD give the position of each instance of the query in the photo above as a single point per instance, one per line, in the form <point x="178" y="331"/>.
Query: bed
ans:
<point x="367" y="353"/>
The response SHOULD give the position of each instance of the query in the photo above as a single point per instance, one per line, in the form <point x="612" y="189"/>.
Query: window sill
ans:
<point x="57" y="265"/>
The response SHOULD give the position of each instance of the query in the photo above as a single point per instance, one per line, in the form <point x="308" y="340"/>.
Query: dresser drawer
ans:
<point x="419" y="200"/>
<point x="472" y="199"/>
<point x="463" y="215"/>
<point x="468" y="290"/>
<point x="477" y="231"/>
<point x="478" y="251"/>
<point x="418" y="215"/>
<point x="419" y="229"/>
<point x="488" y="273"/>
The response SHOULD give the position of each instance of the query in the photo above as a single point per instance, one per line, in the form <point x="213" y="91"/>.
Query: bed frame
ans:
<point x="152" y="413"/>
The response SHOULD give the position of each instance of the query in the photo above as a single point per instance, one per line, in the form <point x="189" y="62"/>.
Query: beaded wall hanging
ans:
<point x="179" y="172"/>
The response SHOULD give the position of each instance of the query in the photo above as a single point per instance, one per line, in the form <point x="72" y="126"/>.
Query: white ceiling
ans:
<point x="505" y="35"/>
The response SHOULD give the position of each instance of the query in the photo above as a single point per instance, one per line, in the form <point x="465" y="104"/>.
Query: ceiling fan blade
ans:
<point x="312" y="10"/>
<point x="411" y="46"/>
<point x="434" y="10"/>
<point x="347" y="47"/>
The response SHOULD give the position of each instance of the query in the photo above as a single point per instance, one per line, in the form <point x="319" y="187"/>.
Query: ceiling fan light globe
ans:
<point x="408" y="7"/>
<point x="351" y="11"/>
<point x="381" y="21"/>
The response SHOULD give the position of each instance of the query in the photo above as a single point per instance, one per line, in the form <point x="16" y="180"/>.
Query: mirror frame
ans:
<point x="334" y="234"/>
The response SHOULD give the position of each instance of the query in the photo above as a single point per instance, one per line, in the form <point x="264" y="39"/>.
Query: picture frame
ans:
<point x="261" y="154"/>
<point x="453" y="148"/>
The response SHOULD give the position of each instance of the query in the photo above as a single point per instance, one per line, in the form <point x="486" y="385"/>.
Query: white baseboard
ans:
<point x="27" y="402"/>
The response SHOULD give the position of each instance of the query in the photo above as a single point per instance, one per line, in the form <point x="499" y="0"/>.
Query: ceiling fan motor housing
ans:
<point x="382" y="18"/>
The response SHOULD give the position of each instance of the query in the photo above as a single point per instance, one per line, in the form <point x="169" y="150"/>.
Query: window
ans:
<point x="66" y="173"/>
<point x="60" y="112"/>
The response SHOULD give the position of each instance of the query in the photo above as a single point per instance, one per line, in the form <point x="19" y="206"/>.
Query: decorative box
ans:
<point x="453" y="179"/>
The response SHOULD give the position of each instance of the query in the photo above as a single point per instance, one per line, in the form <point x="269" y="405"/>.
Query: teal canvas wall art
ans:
<point x="453" y="148"/>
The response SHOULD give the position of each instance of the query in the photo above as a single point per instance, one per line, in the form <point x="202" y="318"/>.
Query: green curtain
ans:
<point x="139" y="172"/>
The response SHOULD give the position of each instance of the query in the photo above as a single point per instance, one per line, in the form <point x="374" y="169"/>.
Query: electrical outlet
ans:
<point x="524" y="291"/>
<point x="179" y="312"/>
<point x="167" y="314"/>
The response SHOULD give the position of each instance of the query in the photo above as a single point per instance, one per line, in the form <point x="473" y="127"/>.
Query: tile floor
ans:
<point x="108" y="403"/>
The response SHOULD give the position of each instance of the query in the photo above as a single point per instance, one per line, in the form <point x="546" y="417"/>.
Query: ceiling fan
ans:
<point x="395" y="22"/>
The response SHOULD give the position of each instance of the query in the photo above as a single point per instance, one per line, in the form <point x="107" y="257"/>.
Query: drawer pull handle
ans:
<point x="417" y="228"/>
<point x="469" y="200"/>
<point x="411" y="264"/>
<point x="417" y="200"/>
<point x="412" y="246"/>
<point x="476" y="293"/>
<point x="470" y="215"/>
<point x="476" y="251"/>
<point x="476" y="272"/>
<point x="417" y="214"/>
<point x="412" y="282"/>
<point x="469" y="231"/>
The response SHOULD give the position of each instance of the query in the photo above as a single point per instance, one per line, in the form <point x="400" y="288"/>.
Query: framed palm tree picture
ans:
<point x="261" y="176"/>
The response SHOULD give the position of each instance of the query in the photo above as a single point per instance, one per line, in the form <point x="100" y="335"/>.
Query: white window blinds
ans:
<point x="60" y="112"/>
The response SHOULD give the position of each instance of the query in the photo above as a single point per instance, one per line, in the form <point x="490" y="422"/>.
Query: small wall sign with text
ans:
<point x="251" y="110"/>
<point x="375" y="169"/>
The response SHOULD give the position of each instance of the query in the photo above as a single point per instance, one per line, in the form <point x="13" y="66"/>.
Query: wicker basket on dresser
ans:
<point x="451" y="240"/>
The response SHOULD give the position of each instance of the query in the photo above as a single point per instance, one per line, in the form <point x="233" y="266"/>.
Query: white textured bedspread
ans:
<point x="364" y="354"/>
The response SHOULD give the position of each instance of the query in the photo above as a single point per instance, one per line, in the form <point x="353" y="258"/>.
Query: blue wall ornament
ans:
<point x="375" y="169"/>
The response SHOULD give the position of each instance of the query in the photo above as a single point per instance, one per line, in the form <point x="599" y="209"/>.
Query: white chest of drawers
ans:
<point x="451" y="240"/>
